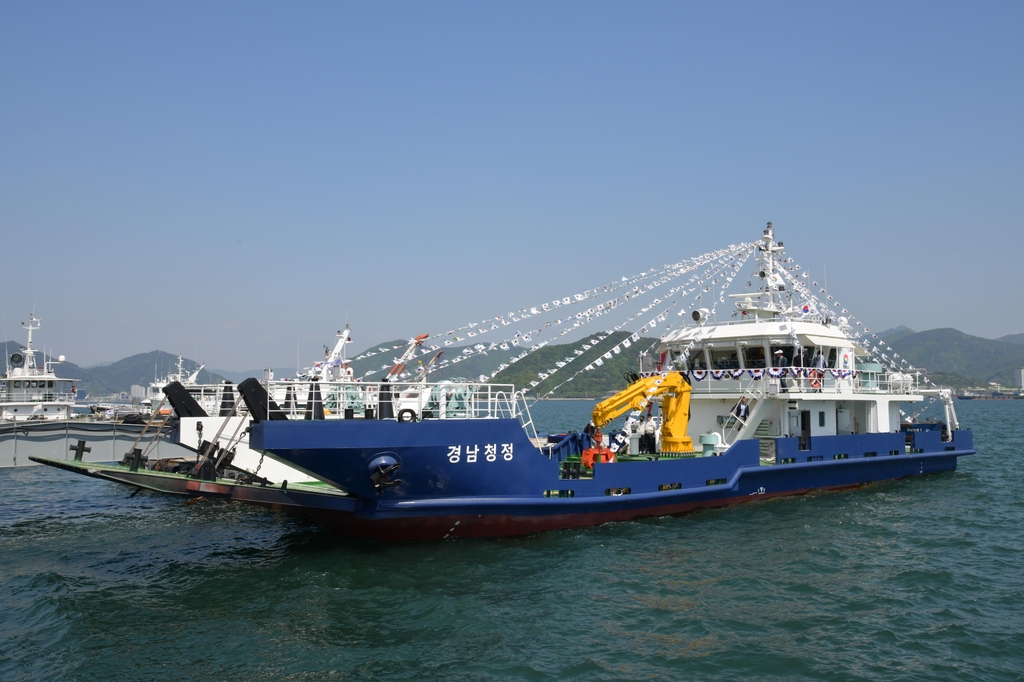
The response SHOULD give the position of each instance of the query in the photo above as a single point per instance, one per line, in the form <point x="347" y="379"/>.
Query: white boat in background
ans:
<point x="208" y="395"/>
<point x="222" y="419"/>
<point x="30" y="392"/>
<point x="91" y="441"/>
<point x="214" y="426"/>
<point x="37" y="415"/>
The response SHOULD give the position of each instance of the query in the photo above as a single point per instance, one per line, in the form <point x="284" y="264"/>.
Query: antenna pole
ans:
<point x="824" y="274"/>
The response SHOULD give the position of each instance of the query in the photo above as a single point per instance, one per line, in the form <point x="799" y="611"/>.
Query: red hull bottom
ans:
<point x="502" y="525"/>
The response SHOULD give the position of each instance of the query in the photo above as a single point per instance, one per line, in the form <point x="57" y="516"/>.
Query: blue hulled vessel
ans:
<point x="787" y="396"/>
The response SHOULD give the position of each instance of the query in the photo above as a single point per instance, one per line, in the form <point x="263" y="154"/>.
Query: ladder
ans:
<point x="737" y="429"/>
<point x="766" y="440"/>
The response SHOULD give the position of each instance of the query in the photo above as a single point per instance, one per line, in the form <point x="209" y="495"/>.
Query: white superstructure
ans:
<point x="207" y="395"/>
<point x="802" y="370"/>
<point x="29" y="391"/>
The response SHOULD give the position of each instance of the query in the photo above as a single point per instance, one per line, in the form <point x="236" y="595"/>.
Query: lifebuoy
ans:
<point x="407" y="415"/>
<point x="815" y="377"/>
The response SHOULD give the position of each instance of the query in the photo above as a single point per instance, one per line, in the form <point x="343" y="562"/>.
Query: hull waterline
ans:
<point x="527" y="495"/>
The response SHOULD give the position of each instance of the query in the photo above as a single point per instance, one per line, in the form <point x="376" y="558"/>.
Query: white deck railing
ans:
<point x="898" y="383"/>
<point x="408" y="401"/>
<point x="35" y="396"/>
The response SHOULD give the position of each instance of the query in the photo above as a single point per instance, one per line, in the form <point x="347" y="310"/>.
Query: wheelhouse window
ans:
<point x="818" y="357"/>
<point x="754" y="357"/>
<point x="788" y="352"/>
<point x="724" y="358"/>
<point x="696" y="359"/>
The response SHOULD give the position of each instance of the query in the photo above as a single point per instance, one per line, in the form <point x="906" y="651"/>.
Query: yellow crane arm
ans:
<point x="633" y="397"/>
<point x="675" y="407"/>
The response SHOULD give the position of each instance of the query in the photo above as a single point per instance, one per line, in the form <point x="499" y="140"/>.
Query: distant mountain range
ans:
<point x="603" y="379"/>
<point x="960" y="360"/>
<point x="279" y="373"/>
<point x="1012" y="338"/>
<point x="951" y="357"/>
<point x="118" y="377"/>
<point x="359" y="367"/>
<point x="600" y="380"/>
<point x="596" y="382"/>
<point x="895" y="334"/>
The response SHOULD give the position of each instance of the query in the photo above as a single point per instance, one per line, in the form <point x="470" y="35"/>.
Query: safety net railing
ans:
<point x="402" y="401"/>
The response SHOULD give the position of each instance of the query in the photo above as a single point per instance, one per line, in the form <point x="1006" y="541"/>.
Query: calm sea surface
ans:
<point x="912" y="580"/>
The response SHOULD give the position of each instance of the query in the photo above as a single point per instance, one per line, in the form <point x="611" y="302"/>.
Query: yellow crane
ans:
<point x="674" y="390"/>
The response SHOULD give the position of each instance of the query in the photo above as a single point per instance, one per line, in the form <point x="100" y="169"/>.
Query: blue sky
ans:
<point x="224" y="179"/>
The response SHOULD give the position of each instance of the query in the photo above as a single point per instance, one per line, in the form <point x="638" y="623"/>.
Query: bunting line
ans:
<point x="577" y="319"/>
<point x="730" y="260"/>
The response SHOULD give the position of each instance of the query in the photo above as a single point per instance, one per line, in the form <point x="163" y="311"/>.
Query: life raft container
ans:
<point x="591" y="455"/>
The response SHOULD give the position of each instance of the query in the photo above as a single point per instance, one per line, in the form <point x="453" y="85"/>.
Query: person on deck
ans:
<point x="818" y="365"/>
<point x="741" y="410"/>
<point x="781" y="362"/>
<point x="649" y="435"/>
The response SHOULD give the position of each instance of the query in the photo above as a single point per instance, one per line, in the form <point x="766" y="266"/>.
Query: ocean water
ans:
<point x="918" y="579"/>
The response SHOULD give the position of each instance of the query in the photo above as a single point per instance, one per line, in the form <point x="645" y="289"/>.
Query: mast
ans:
<point x="769" y="301"/>
<point x="772" y="280"/>
<point x="30" y="352"/>
<point x="338" y="354"/>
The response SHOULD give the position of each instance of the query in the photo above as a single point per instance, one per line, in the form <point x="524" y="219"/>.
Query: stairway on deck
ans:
<point x="766" y="441"/>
